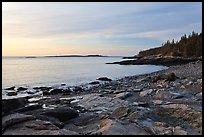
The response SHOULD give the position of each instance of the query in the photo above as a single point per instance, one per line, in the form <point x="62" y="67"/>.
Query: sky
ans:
<point x="106" y="28"/>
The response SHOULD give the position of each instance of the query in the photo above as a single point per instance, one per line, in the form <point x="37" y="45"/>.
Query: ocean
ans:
<point x="21" y="71"/>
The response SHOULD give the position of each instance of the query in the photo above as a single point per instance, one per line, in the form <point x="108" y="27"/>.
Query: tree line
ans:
<point x="187" y="46"/>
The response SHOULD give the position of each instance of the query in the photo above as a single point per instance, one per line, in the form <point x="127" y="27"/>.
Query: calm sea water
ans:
<point x="21" y="71"/>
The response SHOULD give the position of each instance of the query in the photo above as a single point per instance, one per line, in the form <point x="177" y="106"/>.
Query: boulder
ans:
<point x="94" y="82"/>
<point x="178" y="131"/>
<point x="21" y="89"/>
<point x="78" y="89"/>
<point x="67" y="91"/>
<point x="162" y="95"/>
<point x="55" y="91"/>
<point x="61" y="113"/>
<point x="11" y="88"/>
<point x="12" y="104"/>
<point x="42" y="88"/>
<point x="199" y="81"/>
<point x="123" y="95"/>
<point x="11" y="93"/>
<point x="104" y="79"/>
<point x="166" y="77"/>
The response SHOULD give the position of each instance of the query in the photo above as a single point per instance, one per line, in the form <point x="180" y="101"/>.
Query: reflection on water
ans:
<point x="71" y="70"/>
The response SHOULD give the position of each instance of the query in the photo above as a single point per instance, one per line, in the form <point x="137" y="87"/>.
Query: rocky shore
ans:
<point x="167" y="102"/>
<point x="152" y="60"/>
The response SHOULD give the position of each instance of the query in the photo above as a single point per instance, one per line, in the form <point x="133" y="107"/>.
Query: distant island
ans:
<point x="78" y="56"/>
<point x="187" y="49"/>
<point x="30" y="57"/>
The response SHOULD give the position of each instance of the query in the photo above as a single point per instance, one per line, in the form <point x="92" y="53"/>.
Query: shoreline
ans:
<point x="162" y="61"/>
<point x="85" y="84"/>
<point x="144" y="104"/>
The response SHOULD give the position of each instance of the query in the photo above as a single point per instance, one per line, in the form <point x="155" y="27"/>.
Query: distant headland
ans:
<point x="78" y="56"/>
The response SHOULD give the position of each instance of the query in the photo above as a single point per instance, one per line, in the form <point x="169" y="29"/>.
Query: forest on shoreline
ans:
<point x="187" y="46"/>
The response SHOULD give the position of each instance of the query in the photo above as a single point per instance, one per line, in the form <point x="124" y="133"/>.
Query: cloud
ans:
<point x="100" y="22"/>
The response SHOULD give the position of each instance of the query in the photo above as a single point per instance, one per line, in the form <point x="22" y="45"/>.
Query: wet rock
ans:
<point x="67" y="91"/>
<point x="42" y="88"/>
<point x="12" y="104"/>
<point x="31" y="92"/>
<point x="104" y="79"/>
<point x="21" y="89"/>
<point x="55" y="91"/>
<point x="78" y="89"/>
<point x="94" y="82"/>
<point x="14" y="118"/>
<point x="11" y="93"/>
<point x="62" y="113"/>
<point x="46" y="93"/>
<point x="11" y="88"/>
